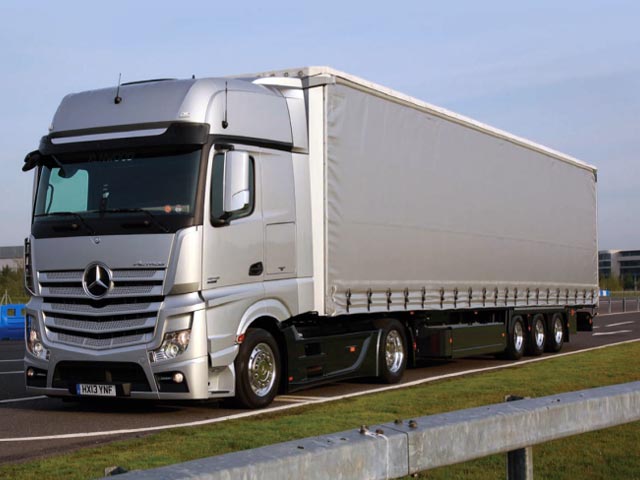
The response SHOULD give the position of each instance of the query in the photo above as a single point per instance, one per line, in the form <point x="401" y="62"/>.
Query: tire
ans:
<point x="555" y="339"/>
<point x="257" y="369"/>
<point x="537" y="335"/>
<point x="393" y="352"/>
<point x="515" y="338"/>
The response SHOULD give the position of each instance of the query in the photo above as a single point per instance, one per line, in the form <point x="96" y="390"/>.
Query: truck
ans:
<point x="241" y="236"/>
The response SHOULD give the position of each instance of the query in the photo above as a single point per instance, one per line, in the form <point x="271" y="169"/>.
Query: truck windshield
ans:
<point x="95" y="187"/>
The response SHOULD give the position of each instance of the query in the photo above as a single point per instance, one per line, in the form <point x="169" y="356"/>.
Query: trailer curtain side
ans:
<point x="424" y="212"/>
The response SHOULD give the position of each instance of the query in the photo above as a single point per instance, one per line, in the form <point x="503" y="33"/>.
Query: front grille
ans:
<point x="99" y="326"/>
<point x="108" y="309"/>
<point x="65" y="275"/>
<point x="123" y="291"/>
<point x="127" y="315"/>
<point x="100" y="343"/>
<point x="68" y="374"/>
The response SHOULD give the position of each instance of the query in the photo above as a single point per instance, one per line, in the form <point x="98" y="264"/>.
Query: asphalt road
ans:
<point x="34" y="427"/>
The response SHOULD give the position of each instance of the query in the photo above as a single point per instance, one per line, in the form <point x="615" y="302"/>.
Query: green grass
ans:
<point x="611" y="453"/>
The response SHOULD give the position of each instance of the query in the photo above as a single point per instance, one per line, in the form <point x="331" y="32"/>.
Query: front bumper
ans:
<point x="130" y="368"/>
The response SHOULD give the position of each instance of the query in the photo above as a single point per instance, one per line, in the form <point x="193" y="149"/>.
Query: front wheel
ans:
<point x="257" y="369"/>
<point x="393" y="352"/>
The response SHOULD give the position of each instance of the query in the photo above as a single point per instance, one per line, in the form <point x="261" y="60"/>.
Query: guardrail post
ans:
<point x="520" y="464"/>
<point x="624" y="304"/>
<point x="520" y="461"/>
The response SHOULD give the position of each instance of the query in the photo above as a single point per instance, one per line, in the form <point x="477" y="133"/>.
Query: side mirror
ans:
<point x="236" y="181"/>
<point x="32" y="160"/>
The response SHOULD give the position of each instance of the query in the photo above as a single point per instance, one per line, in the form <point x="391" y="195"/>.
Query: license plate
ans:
<point x="96" y="390"/>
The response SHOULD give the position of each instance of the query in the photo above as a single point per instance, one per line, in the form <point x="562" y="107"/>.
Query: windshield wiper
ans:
<point x="151" y="216"/>
<point x="69" y="214"/>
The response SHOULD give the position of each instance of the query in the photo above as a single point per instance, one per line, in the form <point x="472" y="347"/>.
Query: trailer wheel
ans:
<point x="556" y="333"/>
<point x="515" y="338"/>
<point x="393" y="352"/>
<point x="537" y="335"/>
<point x="257" y="369"/>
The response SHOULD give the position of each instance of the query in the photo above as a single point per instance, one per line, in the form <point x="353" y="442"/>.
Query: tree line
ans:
<point x="12" y="283"/>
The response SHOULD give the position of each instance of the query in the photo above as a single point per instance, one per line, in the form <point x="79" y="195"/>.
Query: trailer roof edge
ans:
<point x="377" y="89"/>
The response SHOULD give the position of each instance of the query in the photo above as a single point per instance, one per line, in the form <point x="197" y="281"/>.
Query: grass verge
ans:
<point x="611" y="453"/>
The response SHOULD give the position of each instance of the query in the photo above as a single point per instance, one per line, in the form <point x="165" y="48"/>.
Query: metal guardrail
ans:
<point x="402" y="448"/>
<point x="628" y="304"/>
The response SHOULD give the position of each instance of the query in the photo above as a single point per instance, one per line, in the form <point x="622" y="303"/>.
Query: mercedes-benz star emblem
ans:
<point x="97" y="280"/>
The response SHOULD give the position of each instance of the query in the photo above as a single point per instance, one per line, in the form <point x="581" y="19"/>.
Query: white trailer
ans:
<point x="262" y="233"/>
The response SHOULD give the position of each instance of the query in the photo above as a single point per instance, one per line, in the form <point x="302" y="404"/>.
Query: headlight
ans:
<point x="173" y="344"/>
<point x="33" y="339"/>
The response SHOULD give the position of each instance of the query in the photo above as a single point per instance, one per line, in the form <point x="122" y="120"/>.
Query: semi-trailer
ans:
<point x="261" y="233"/>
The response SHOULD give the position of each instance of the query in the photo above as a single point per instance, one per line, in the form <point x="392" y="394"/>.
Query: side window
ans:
<point x="218" y="216"/>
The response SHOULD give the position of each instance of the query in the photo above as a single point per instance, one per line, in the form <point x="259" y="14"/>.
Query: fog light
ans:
<point x="178" y="377"/>
<point x="173" y="344"/>
<point x="30" y="372"/>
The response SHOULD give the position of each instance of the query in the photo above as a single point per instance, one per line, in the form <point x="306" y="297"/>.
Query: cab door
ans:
<point x="233" y="240"/>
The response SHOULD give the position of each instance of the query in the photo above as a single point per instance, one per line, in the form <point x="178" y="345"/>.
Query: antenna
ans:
<point x="118" y="98"/>
<point x="225" y="124"/>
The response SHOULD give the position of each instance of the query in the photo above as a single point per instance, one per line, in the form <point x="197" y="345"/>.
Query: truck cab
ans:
<point x="164" y="226"/>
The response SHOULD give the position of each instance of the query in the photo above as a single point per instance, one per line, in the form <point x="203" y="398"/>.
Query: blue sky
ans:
<point x="564" y="74"/>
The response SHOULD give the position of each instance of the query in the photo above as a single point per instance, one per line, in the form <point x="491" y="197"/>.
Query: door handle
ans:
<point x="256" y="269"/>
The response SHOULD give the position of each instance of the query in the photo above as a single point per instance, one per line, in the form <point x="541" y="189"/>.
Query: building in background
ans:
<point x="620" y="264"/>
<point x="11" y="257"/>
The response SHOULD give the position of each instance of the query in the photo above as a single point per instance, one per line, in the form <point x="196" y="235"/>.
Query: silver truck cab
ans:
<point x="166" y="222"/>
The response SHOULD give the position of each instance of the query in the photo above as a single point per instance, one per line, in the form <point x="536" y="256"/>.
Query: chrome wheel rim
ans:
<point x="539" y="333"/>
<point x="262" y="369"/>
<point x="394" y="351"/>
<point x="558" y="332"/>
<point x="518" y="336"/>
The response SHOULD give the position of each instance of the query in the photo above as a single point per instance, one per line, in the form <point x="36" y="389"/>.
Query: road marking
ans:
<point x="282" y="408"/>
<point x="290" y="400"/>
<point x="12" y="373"/>
<point x="611" y="333"/>
<point x="23" y="399"/>
<point x="600" y="315"/>
<point x="16" y="360"/>
<point x="299" y="398"/>
<point x="618" y="324"/>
